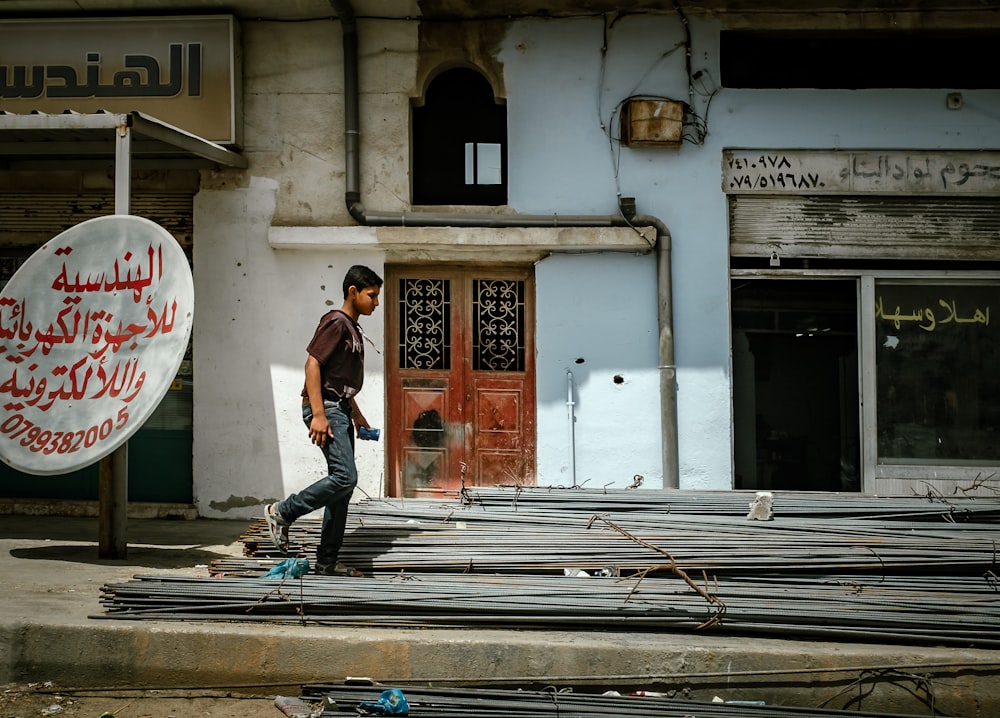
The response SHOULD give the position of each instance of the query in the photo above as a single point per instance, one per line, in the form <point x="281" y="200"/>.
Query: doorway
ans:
<point x="796" y="395"/>
<point x="460" y="378"/>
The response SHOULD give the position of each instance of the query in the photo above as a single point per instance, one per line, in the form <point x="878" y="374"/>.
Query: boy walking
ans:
<point x="335" y="371"/>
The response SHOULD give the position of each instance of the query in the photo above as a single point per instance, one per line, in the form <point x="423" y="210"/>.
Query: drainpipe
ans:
<point x="570" y="420"/>
<point x="625" y="218"/>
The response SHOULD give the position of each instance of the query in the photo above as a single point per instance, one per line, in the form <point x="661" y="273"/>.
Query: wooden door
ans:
<point x="460" y="378"/>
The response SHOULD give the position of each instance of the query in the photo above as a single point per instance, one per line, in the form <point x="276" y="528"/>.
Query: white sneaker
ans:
<point x="277" y="528"/>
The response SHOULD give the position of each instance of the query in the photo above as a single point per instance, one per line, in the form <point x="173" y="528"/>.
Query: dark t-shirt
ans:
<point x="339" y="348"/>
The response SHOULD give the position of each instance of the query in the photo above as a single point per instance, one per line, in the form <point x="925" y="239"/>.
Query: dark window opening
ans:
<point x="796" y="394"/>
<point x="460" y="142"/>
<point x="855" y="61"/>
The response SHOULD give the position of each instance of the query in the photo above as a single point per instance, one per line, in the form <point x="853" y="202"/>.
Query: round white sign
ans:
<point x="93" y="328"/>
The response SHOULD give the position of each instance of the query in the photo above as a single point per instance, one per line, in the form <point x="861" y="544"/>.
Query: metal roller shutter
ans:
<point x="868" y="227"/>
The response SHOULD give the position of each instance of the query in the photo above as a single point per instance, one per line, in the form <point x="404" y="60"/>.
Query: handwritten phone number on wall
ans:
<point x="34" y="438"/>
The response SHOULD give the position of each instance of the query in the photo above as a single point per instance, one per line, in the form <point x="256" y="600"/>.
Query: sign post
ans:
<point x="112" y="475"/>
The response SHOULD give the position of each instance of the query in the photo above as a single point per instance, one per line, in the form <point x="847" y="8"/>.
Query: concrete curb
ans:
<point x="106" y="653"/>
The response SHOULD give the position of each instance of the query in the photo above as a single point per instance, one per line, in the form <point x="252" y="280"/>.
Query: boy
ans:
<point x="335" y="371"/>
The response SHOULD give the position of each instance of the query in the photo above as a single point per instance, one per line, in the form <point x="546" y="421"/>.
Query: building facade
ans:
<point x="685" y="245"/>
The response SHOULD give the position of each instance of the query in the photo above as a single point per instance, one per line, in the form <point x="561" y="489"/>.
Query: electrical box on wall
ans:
<point x="652" y="123"/>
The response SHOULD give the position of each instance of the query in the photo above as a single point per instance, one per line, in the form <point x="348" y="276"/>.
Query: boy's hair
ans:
<point x="360" y="276"/>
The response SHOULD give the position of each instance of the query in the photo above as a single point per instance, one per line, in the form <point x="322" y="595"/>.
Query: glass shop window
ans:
<point x="460" y="142"/>
<point x="938" y="373"/>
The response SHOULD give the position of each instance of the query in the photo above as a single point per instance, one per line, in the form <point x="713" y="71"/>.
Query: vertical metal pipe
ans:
<point x="123" y="166"/>
<point x="352" y="123"/>
<point x="112" y="493"/>
<point x="668" y="368"/>
<point x="571" y="420"/>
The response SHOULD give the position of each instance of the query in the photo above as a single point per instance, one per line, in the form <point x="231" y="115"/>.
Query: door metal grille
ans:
<point x="425" y="323"/>
<point x="498" y="316"/>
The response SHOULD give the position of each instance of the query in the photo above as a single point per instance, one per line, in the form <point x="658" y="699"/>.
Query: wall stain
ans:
<point x="447" y="45"/>
<point x="238" y="502"/>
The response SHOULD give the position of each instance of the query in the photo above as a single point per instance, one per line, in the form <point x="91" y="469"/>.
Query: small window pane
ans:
<point x="938" y="373"/>
<point x="470" y="163"/>
<point x="487" y="163"/>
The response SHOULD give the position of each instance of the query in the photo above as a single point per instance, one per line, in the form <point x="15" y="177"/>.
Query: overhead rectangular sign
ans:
<point x="184" y="71"/>
<point x="941" y="172"/>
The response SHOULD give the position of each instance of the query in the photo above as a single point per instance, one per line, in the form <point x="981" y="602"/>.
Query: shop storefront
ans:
<point x="864" y="294"/>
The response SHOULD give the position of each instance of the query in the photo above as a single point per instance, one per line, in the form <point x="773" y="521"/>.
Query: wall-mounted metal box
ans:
<point x="652" y="123"/>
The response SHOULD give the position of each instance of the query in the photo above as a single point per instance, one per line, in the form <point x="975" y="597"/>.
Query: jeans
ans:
<point x="333" y="492"/>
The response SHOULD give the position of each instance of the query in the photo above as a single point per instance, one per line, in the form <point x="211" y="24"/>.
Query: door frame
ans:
<point x="460" y="341"/>
<point x="831" y="338"/>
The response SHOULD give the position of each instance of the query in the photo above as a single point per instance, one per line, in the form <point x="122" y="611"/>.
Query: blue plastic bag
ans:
<point x="289" y="568"/>
<point x="392" y="702"/>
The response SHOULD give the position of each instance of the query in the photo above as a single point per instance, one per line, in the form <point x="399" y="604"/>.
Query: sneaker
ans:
<point x="277" y="528"/>
<point x="337" y="569"/>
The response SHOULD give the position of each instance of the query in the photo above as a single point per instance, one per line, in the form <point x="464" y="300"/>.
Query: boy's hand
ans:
<point x="319" y="430"/>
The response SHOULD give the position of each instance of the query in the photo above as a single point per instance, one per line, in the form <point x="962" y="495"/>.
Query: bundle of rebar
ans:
<point x="891" y="610"/>
<point x="389" y="536"/>
<point x="890" y="573"/>
<point x="336" y="700"/>
<point x="933" y="505"/>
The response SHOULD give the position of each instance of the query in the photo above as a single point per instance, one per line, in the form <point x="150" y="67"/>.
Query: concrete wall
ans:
<point x="256" y="306"/>
<point x="255" y="314"/>
<point x="564" y="114"/>
<point x="609" y="344"/>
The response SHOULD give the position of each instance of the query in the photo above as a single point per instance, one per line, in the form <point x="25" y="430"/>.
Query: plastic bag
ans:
<point x="289" y="568"/>
<point x="392" y="702"/>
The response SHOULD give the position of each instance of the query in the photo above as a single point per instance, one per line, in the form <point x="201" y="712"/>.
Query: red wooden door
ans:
<point x="460" y="378"/>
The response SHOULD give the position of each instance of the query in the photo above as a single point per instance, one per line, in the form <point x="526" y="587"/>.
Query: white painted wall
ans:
<point x="256" y="307"/>
<point x="595" y="320"/>
<point x="256" y="310"/>
<point x="564" y="115"/>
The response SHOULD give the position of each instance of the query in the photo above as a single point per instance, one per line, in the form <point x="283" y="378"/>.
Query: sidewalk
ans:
<point x="51" y="630"/>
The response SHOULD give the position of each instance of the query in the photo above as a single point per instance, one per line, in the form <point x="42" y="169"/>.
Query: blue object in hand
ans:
<point x="368" y="434"/>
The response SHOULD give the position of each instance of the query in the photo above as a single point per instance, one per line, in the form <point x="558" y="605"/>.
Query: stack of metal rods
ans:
<point x="498" y="703"/>
<point x="440" y="540"/>
<point x="931" y="506"/>
<point x="958" y="611"/>
<point x="612" y="561"/>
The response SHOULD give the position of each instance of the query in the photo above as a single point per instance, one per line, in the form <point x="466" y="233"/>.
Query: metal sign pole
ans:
<point x="112" y="522"/>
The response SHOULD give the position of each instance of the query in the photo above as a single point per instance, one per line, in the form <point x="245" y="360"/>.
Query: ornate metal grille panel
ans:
<point x="498" y="325"/>
<point x="425" y="323"/>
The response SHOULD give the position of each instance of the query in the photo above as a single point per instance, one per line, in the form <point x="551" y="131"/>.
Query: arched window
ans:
<point x="460" y="142"/>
